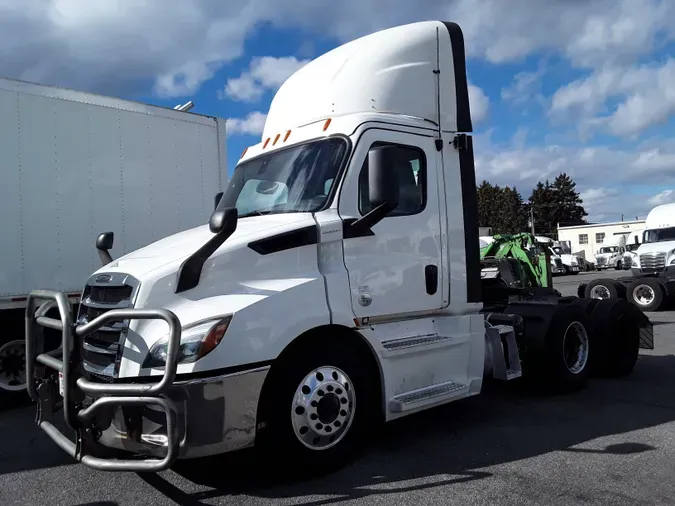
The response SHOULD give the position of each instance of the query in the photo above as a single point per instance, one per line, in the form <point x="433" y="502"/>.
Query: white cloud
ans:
<point x="602" y="173"/>
<point x="252" y="124"/>
<point x="646" y="98"/>
<point x="664" y="197"/>
<point x="264" y="73"/>
<point x="479" y="103"/>
<point x="114" y="47"/>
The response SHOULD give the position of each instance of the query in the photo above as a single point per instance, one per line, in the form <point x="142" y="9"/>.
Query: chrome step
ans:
<point x="412" y="399"/>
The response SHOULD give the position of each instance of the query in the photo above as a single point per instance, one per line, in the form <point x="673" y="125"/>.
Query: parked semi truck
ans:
<point x="74" y="164"/>
<point x="354" y="298"/>
<point x="652" y="284"/>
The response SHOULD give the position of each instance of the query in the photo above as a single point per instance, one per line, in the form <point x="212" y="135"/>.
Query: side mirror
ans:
<point x="224" y="221"/>
<point x="383" y="190"/>
<point x="383" y="184"/>
<point x="219" y="196"/>
<point x="104" y="242"/>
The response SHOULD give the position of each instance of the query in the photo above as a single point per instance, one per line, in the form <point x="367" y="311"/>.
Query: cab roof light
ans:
<point x="286" y="136"/>
<point x="243" y="153"/>
<point x="276" y="139"/>
<point x="266" y="143"/>
<point x="326" y="125"/>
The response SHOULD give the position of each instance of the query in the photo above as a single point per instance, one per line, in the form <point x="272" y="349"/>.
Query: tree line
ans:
<point x="550" y="203"/>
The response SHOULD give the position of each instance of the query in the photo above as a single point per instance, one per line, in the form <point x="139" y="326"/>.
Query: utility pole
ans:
<point x="532" y="219"/>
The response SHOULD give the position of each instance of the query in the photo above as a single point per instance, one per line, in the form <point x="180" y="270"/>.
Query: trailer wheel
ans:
<point x="617" y="330"/>
<point x="320" y="404"/>
<point x="646" y="293"/>
<point x="604" y="289"/>
<point x="13" y="391"/>
<point x="563" y="363"/>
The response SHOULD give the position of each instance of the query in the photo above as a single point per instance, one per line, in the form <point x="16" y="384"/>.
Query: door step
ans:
<point x="432" y="393"/>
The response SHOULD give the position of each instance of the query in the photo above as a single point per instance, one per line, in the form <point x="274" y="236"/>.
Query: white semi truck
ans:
<point x="299" y="323"/>
<point x="652" y="285"/>
<point x="74" y="164"/>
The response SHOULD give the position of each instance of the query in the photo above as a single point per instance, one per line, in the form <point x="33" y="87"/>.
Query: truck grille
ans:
<point x="602" y="260"/>
<point x="653" y="262"/>
<point x="558" y="262"/>
<point x="101" y="350"/>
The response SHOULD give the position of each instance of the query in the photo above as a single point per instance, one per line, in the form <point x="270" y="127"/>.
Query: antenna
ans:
<point x="437" y="71"/>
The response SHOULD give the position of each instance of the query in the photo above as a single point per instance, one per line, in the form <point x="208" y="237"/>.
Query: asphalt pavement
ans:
<point x="613" y="443"/>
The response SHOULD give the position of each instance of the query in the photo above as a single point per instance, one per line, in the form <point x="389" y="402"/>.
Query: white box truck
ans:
<point x="74" y="164"/>
<point x="652" y="284"/>
<point x="337" y="285"/>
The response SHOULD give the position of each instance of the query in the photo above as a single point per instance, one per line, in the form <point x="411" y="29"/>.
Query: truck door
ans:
<point x="397" y="270"/>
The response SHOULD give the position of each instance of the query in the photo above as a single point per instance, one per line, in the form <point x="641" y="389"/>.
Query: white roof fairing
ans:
<point x="390" y="71"/>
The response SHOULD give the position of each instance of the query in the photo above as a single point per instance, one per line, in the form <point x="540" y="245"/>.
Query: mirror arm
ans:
<point x="104" y="256"/>
<point x="365" y="223"/>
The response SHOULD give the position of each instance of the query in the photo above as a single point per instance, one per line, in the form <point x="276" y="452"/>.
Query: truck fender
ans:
<point x="347" y="337"/>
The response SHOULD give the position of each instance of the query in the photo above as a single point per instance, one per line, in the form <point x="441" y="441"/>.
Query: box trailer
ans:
<point x="75" y="164"/>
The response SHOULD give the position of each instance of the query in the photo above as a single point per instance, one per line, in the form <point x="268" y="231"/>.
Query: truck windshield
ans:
<point x="293" y="180"/>
<point x="609" y="249"/>
<point x="659" y="235"/>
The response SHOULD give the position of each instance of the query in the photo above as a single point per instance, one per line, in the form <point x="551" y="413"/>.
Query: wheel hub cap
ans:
<point x="643" y="294"/>
<point x="323" y="408"/>
<point x="575" y="347"/>
<point x="599" y="292"/>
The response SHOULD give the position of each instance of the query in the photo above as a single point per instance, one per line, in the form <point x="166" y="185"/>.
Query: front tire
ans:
<point x="316" y="410"/>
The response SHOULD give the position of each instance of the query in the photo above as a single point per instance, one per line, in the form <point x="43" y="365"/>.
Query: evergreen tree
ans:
<point x="569" y="210"/>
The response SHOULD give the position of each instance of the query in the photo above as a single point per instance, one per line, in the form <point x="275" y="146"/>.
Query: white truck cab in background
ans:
<point x="656" y="254"/>
<point x="337" y="285"/>
<point x="633" y="241"/>
<point x="610" y="254"/>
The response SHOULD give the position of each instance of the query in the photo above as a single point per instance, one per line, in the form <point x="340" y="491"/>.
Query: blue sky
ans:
<point x="582" y="87"/>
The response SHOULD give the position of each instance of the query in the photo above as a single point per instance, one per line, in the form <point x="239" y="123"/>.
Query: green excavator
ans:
<point x="516" y="261"/>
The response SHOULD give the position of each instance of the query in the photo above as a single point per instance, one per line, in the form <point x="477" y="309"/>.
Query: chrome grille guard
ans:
<point x="64" y="360"/>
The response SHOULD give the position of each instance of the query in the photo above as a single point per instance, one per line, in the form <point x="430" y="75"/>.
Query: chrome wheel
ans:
<point x="643" y="295"/>
<point x="575" y="347"/>
<point x="13" y="366"/>
<point x="600" y="292"/>
<point x="323" y="408"/>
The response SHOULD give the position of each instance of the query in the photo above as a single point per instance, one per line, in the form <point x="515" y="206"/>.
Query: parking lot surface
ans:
<point x="613" y="443"/>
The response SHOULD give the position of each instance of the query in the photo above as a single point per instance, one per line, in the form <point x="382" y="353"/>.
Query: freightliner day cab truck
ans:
<point x="652" y="284"/>
<point x="73" y="164"/>
<point x="354" y="298"/>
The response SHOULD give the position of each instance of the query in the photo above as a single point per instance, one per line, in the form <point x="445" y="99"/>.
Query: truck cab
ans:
<point x="336" y="285"/>
<point x="611" y="255"/>
<point x="656" y="254"/>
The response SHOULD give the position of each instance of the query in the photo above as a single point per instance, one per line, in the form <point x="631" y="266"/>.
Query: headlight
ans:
<point x="197" y="340"/>
<point x="672" y="261"/>
<point x="633" y="263"/>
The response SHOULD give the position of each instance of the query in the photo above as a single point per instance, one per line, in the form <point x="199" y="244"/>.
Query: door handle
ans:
<point x="431" y="278"/>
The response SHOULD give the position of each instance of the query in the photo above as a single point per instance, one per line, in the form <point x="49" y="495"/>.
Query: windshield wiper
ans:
<point x="270" y="211"/>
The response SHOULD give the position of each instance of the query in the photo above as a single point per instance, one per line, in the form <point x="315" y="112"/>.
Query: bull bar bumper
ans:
<point x="78" y="416"/>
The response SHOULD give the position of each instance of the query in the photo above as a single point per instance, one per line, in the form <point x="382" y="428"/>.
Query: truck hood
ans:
<point x="656" y="247"/>
<point x="179" y="246"/>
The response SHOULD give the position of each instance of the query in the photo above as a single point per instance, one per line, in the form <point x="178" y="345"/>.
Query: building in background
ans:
<point x="591" y="237"/>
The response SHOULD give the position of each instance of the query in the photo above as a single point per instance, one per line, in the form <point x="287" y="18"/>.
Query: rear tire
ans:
<point x="646" y="293"/>
<point x="562" y="364"/>
<point x="604" y="289"/>
<point x="317" y="407"/>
